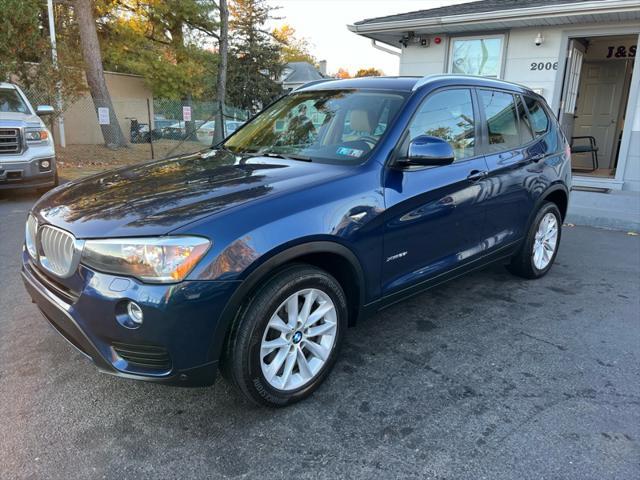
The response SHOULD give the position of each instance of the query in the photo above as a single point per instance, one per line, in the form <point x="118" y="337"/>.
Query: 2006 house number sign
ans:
<point x="543" y="66"/>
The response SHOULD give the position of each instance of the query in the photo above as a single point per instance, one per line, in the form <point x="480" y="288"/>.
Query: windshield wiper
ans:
<point x="284" y="156"/>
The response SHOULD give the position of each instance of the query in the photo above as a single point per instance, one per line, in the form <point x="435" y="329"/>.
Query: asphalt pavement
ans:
<point x="486" y="377"/>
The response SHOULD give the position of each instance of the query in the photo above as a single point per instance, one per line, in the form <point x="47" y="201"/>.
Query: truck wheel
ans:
<point x="287" y="338"/>
<point x="540" y="247"/>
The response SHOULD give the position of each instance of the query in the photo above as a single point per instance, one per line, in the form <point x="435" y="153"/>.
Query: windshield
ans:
<point x="10" y="101"/>
<point x="335" y="126"/>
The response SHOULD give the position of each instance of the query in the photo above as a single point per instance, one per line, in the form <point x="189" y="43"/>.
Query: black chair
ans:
<point x="591" y="148"/>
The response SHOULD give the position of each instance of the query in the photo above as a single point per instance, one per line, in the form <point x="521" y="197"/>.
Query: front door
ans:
<point x="570" y="86"/>
<point x="599" y="100"/>
<point x="435" y="216"/>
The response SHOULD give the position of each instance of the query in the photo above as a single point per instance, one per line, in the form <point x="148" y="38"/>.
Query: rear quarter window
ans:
<point x="537" y="116"/>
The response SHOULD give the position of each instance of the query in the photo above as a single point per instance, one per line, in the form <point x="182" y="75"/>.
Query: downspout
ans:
<point x="385" y="49"/>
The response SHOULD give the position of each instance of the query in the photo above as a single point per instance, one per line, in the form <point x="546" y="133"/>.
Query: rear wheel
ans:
<point x="540" y="247"/>
<point x="287" y="338"/>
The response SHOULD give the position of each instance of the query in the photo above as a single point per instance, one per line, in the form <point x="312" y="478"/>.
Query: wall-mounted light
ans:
<point x="539" y="39"/>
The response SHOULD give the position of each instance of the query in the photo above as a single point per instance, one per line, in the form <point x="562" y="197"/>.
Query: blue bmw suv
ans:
<point x="253" y="258"/>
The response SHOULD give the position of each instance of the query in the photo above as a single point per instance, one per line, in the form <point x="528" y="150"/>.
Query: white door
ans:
<point x="598" y="107"/>
<point x="572" y="73"/>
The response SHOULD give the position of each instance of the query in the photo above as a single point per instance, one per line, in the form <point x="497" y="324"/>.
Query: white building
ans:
<point x="578" y="54"/>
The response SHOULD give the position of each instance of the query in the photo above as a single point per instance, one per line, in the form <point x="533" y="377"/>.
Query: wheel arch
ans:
<point x="559" y="195"/>
<point x="333" y="257"/>
<point x="556" y="193"/>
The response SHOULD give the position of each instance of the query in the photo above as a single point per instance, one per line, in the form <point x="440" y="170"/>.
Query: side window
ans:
<point x="448" y="115"/>
<point x="502" y="121"/>
<point x="538" y="116"/>
<point x="526" y="132"/>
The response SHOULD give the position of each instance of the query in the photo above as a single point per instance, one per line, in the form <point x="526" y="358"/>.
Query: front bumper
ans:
<point x="20" y="174"/>
<point x="175" y="343"/>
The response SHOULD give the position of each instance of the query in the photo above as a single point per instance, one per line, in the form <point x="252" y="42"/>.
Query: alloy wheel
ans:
<point x="298" y="339"/>
<point x="546" y="241"/>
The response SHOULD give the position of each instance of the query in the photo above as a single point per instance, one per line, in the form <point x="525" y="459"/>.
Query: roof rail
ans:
<point x="424" y="80"/>
<point x="311" y="83"/>
<point x="427" y="78"/>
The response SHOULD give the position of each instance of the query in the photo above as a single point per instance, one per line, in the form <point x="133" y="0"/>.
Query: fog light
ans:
<point x="135" y="313"/>
<point x="45" y="165"/>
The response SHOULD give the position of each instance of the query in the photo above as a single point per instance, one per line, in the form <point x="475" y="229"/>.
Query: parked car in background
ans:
<point x="27" y="153"/>
<point x="160" y="122"/>
<point x="178" y="130"/>
<point x="256" y="256"/>
<point x="207" y="129"/>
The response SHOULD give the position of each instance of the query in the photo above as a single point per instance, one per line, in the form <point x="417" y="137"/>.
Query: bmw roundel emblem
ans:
<point x="297" y="337"/>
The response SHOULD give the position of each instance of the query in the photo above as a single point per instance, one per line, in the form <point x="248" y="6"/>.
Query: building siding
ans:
<point x="129" y="94"/>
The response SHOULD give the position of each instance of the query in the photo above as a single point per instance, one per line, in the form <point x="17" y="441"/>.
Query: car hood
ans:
<point x="19" y="119"/>
<point x="158" y="197"/>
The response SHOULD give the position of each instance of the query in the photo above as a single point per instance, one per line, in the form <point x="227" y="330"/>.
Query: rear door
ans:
<point x="435" y="216"/>
<point x="513" y="158"/>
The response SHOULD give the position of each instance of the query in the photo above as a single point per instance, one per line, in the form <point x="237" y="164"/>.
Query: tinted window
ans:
<point x="447" y="115"/>
<point x="537" y="116"/>
<point x="502" y="121"/>
<point x="526" y="132"/>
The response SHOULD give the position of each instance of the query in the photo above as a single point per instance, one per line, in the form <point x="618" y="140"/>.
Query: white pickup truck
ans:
<point x="27" y="153"/>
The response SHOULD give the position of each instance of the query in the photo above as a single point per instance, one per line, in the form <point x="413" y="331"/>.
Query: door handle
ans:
<point x="537" y="158"/>
<point x="476" y="175"/>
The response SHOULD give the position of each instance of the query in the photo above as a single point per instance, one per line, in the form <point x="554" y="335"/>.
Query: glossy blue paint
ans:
<point x="399" y="228"/>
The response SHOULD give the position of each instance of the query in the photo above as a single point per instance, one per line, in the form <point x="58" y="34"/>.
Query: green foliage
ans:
<point x="255" y="63"/>
<point x="25" y="56"/>
<point x="171" y="43"/>
<point x="162" y="41"/>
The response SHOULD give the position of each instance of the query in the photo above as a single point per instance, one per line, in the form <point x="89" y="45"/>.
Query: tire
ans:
<point x="525" y="263"/>
<point x="278" y="376"/>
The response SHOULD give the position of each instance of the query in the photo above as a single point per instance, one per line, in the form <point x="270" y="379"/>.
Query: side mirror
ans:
<point x="44" y="110"/>
<point x="426" y="150"/>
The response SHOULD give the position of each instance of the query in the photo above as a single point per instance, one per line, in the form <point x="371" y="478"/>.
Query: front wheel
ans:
<point x="540" y="247"/>
<point x="287" y="338"/>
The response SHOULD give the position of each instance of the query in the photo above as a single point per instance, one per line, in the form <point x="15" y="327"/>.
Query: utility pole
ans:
<point x="54" y="58"/>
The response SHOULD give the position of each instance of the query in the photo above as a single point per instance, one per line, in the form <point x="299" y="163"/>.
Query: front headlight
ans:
<point x="31" y="229"/>
<point x="36" y="135"/>
<point x="153" y="260"/>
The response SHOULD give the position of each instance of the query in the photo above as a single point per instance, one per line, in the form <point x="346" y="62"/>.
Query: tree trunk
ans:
<point x="221" y="86"/>
<point x="111" y="133"/>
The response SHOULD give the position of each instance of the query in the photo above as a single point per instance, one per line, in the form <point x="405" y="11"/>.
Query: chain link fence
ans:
<point x="152" y="128"/>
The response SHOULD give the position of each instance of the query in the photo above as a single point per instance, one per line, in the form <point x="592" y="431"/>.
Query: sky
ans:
<point x="324" y="24"/>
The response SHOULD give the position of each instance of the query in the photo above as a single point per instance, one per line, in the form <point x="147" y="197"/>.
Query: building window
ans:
<point x="480" y="56"/>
